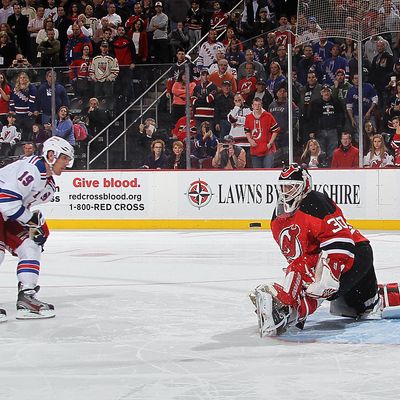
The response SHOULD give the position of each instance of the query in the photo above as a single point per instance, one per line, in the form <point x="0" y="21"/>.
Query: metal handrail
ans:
<point x="126" y="128"/>
<point x="139" y="99"/>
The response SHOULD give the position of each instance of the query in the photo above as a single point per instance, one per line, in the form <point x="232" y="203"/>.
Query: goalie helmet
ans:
<point x="58" y="146"/>
<point x="293" y="186"/>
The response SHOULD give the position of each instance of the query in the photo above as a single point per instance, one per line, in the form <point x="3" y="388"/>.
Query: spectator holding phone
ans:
<point x="229" y="155"/>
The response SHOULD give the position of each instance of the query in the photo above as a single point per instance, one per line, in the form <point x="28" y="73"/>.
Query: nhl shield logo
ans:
<point x="199" y="193"/>
<point x="289" y="242"/>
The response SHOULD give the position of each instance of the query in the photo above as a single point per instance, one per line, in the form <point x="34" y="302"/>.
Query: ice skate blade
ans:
<point x="27" y="314"/>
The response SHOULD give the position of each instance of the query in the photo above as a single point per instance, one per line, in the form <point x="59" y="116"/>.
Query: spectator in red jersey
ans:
<point x="247" y="85"/>
<point x="179" y="130"/>
<point x="219" y="20"/>
<point x="313" y="156"/>
<point x="125" y="53"/>
<point x="395" y="142"/>
<point x="261" y="131"/>
<point x="346" y="155"/>
<point x="283" y="34"/>
<point x="5" y="92"/>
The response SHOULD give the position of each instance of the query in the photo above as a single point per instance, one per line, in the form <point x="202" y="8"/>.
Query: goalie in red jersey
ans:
<point x="328" y="260"/>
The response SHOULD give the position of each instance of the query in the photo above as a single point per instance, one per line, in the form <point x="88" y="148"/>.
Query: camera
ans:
<point x="225" y="146"/>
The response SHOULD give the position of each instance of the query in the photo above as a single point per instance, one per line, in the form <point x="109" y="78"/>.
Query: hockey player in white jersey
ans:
<point x="23" y="232"/>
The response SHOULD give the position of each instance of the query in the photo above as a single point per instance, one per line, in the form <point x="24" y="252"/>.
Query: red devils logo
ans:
<point x="289" y="242"/>
<point x="289" y="171"/>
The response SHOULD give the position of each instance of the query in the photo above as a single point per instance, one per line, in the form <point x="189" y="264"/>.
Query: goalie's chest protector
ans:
<point x="318" y="224"/>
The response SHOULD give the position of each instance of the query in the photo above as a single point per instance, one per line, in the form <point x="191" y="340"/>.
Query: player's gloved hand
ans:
<point x="326" y="283"/>
<point x="39" y="235"/>
<point x="37" y="220"/>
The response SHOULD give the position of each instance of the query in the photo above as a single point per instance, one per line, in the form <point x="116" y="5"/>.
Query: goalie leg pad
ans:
<point x="273" y="317"/>
<point x="3" y="315"/>
<point x="390" y="295"/>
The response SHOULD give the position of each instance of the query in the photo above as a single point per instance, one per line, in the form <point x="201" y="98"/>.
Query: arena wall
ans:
<point x="210" y="199"/>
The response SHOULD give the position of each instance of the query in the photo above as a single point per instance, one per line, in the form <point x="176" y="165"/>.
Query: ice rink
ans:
<point x="165" y="315"/>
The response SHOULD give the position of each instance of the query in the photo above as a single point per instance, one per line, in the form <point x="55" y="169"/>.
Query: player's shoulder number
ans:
<point x="339" y="223"/>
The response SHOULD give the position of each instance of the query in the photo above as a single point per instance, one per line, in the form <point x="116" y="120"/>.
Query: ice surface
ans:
<point x="165" y="315"/>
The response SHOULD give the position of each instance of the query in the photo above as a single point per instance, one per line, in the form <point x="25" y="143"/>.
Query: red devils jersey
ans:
<point x="318" y="224"/>
<point x="261" y="130"/>
<point x="395" y="143"/>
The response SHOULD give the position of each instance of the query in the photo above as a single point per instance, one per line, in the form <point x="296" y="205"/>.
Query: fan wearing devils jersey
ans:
<point x="395" y="142"/>
<point x="328" y="259"/>
<point x="23" y="232"/>
<point x="261" y="130"/>
<point x="9" y="133"/>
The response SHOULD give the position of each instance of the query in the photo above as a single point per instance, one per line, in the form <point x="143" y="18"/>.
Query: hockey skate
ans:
<point x="273" y="316"/>
<point x="30" y="307"/>
<point x="3" y="315"/>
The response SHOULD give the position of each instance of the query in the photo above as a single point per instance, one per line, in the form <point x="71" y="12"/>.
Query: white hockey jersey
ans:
<point x="237" y="118"/>
<point x="9" y="134"/>
<point x="207" y="54"/>
<point x="24" y="183"/>
<point x="376" y="161"/>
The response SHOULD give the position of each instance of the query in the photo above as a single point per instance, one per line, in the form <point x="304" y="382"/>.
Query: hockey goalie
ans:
<point x="327" y="260"/>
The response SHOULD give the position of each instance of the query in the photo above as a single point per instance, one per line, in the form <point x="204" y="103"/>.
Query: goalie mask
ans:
<point x="58" y="146"/>
<point x="293" y="186"/>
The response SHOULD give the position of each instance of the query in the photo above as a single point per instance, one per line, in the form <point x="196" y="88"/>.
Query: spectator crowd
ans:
<point x="237" y="78"/>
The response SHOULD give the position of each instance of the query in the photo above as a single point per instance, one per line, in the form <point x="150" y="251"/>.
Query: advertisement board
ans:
<point x="209" y="199"/>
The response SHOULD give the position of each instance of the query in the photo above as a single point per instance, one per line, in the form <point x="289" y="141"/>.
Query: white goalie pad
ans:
<point x="391" y="312"/>
<point x="272" y="319"/>
<point x="325" y="284"/>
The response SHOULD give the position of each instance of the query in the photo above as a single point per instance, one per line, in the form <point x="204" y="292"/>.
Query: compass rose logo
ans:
<point x="199" y="193"/>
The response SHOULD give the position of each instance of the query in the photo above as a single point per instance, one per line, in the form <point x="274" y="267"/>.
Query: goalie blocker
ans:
<point x="328" y="260"/>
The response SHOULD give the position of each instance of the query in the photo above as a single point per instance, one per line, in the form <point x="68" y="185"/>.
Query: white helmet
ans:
<point x="293" y="186"/>
<point x="59" y="146"/>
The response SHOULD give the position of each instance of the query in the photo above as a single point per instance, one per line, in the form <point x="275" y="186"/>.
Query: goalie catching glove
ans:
<point x="325" y="282"/>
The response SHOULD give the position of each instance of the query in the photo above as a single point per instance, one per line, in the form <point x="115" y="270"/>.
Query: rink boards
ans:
<point x="210" y="199"/>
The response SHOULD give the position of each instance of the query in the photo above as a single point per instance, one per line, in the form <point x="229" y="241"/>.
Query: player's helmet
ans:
<point x="293" y="186"/>
<point x="59" y="146"/>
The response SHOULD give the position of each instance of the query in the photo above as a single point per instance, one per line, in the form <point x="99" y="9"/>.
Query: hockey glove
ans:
<point x="36" y="221"/>
<point x="326" y="283"/>
<point x="39" y="235"/>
